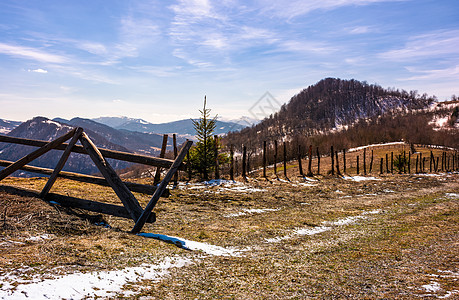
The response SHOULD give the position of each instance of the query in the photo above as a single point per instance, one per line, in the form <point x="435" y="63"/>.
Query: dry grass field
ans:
<point x="387" y="236"/>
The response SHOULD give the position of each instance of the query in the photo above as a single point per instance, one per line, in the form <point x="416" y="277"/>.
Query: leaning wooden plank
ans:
<point x="135" y="158"/>
<point x="134" y="187"/>
<point x="146" y="213"/>
<point x="67" y="201"/>
<point x="35" y="154"/>
<point x="61" y="162"/>
<point x="129" y="201"/>
<point x="94" y="206"/>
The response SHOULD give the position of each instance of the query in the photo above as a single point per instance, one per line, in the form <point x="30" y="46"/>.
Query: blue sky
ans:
<point x="157" y="59"/>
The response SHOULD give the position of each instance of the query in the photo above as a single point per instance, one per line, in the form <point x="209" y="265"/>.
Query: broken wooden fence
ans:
<point x="131" y="207"/>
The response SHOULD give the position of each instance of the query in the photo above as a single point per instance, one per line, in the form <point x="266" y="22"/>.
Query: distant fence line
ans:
<point x="277" y="157"/>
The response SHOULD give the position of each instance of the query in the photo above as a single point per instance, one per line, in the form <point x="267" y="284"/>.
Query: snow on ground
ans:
<point x="375" y="145"/>
<point x="105" y="284"/>
<point x="221" y="185"/>
<point x="249" y="211"/>
<point x="432" y="287"/>
<point x="452" y="195"/>
<point x="193" y="245"/>
<point x="360" y="178"/>
<point x="82" y="285"/>
<point x="40" y="237"/>
<point x="326" y="226"/>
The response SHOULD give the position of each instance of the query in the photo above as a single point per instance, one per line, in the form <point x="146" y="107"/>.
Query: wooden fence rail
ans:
<point x="131" y="207"/>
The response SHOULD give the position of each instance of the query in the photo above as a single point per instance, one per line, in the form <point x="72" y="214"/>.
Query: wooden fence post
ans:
<point x="442" y="161"/>
<point x="174" y="141"/>
<point x="231" y="162"/>
<point x="337" y="164"/>
<point x="300" y="165"/>
<point x="431" y="162"/>
<point x="310" y="161"/>
<point x="285" y="160"/>
<point x="244" y="162"/>
<point x="264" y="159"/>
<point x="318" y="161"/>
<point x="217" y="165"/>
<point x="332" y="154"/>
<point x="381" y="166"/>
<point x="161" y="155"/>
<point x="364" y="161"/>
<point x="371" y="162"/>
<point x="275" y="158"/>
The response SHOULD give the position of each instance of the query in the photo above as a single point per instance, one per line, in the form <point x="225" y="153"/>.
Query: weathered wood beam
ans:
<point x="134" y="187"/>
<point x="35" y="154"/>
<point x="72" y="202"/>
<point x="129" y="157"/>
<point x="61" y="162"/>
<point x="154" y="199"/>
<point x="129" y="201"/>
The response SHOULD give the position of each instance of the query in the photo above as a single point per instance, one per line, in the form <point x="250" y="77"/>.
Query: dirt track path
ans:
<point x="395" y="237"/>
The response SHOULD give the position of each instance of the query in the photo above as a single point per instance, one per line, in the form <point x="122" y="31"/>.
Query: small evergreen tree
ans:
<point x="202" y="155"/>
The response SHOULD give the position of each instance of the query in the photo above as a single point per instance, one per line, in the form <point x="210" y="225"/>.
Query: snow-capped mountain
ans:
<point x="6" y="125"/>
<point x="183" y="128"/>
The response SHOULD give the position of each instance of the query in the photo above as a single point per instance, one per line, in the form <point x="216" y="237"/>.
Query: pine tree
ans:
<point x="202" y="156"/>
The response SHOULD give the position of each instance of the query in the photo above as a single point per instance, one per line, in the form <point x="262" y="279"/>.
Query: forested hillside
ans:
<point x="351" y="113"/>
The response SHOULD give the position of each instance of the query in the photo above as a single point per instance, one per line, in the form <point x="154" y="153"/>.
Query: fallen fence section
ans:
<point x="131" y="207"/>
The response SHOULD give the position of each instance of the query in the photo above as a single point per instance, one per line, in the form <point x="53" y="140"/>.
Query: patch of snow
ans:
<point x="375" y="145"/>
<point x="251" y="211"/>
<point x="326" y="226"/>
<point x="193" y="245"/>
<point x="306" y="184"/>
<point x="53" y="123"/>
<point x="452" y="195"/>
<point x="448" y="294"/>
<point x="224" y="185"/>
<point x="106" y="284"/>
<point x="432" y="287"/>
<point x="40" y="238"/>
<point x="360" y="178"/>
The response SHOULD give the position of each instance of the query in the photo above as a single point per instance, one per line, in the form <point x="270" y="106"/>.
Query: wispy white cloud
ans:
<point x="435" y="44"/>
<point x="296" y="8"/>
<point x="92" y="47"/>
<point x="359" y="30"/>
<point x="436" y="74"/>
<point x="38" y="71"/>
<point x="158" y="71"/>
<point x="31" y="53"/>
<point x="135" y="33"/>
